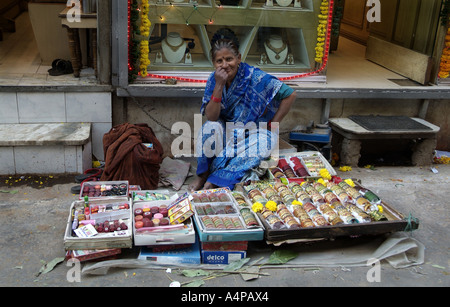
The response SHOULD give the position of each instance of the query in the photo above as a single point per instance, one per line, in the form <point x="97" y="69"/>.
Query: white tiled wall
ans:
<point x="8" y="104"/>
<point x="57" y="107"/>
<point x="88" y="107"/>
<point x="41" y="107"/>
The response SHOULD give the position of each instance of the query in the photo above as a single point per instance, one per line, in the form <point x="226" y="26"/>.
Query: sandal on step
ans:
<point x="92" y="172"/>
<point x="77" y="189"/>
<point x="60" y="67"/>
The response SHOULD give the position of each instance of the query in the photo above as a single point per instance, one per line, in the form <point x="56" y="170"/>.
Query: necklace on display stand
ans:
<point x="158" y="58"/>
<point x="173" y="47"/>
<point x="290" y="59"/>
<point x="284" y="3"/>
<point x="281" y="4"/>
<point x="276" y="49"/>
<point x="263" y="59"/>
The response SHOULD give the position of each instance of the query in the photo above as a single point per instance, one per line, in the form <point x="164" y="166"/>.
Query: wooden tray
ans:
<point x="396" y="222"/>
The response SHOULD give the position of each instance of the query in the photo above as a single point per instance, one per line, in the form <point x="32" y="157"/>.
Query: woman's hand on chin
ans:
<point x="221" y="76"/>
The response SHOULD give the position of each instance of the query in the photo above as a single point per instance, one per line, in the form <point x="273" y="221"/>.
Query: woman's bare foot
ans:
<point x="208" y="185"/>
<point x="199" y="182"/>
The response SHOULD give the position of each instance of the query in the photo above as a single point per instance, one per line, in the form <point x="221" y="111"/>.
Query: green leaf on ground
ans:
<point x="194" y="273"/>
<point x="50" y="265"/>
<point x="281" y="256"/>
<point x="9" y="191"/>
<point x="236" y="265"/>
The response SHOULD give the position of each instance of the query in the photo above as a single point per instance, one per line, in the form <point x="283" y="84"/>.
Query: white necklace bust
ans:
<point x="173" y="47"/>
<point x="276" y="49"/>
<point x="284" y="2"/>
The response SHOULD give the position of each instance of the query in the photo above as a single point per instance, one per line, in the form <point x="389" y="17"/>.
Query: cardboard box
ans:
<point x="224" y="207"/>
<point x="187" y="255"/>
<point x="116" y="239"/>
<point x="104" y="189"/>
<point x="225" y="246"/>
<point x="113" y="209"/>
<point x="133" y="188"/>
<point x="180" y="210"/>
<point x="163" y="235"/>
<point x="230" y="235"/>
<point x="151" y="195"/>
<point x="87" y="254"/>
<point x="303" y="157"/>
<point x="222" y="257"/>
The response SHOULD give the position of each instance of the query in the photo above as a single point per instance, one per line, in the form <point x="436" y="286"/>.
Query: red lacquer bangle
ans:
<point x="215" y="99"/>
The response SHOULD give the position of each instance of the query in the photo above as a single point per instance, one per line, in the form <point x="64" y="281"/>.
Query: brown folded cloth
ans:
<point x="127" y="158"/>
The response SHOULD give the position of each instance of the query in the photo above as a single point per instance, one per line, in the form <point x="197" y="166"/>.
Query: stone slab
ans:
<point x="353" y="134"/>
<point x="48" y="134"/>
<point x="351" y="130"/>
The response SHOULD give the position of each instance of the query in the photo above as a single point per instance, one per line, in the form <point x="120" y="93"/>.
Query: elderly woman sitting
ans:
<point x="240" y="103"/>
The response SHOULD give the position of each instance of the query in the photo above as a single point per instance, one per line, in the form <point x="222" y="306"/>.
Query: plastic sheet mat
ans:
<point x="399" y="250"/>
<point x="173" y="173"/>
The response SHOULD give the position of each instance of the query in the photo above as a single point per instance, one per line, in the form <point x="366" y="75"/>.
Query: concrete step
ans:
<point x="45" y="148"/>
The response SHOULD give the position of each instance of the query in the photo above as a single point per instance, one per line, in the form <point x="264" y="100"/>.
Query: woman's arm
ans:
<point x="212" y="110"/>
<point x="285" y="106"/>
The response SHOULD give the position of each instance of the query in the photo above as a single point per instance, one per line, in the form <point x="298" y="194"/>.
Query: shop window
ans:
<point x="286" y="37"/>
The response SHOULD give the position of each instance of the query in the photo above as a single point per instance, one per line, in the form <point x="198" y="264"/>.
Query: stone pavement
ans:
<point x="33" y="218"/>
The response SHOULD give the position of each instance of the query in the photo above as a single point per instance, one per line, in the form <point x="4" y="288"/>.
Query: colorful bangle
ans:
<point x="215" y="99"/>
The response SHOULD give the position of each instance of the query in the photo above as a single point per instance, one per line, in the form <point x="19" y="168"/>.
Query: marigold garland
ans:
<point x="321" y="31"/>
<point x="144" y="45"/>
<point x="144" y="61"/>
<point x="444" y="67"/>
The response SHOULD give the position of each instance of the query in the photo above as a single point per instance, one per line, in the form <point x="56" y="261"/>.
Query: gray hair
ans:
<point x="224" y="43"/>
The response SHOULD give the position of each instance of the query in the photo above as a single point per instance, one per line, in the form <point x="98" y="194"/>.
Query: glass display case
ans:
<point x="172" y="38"/>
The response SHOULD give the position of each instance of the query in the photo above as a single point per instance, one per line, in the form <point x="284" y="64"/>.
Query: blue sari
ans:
<point x="248" y="102"/>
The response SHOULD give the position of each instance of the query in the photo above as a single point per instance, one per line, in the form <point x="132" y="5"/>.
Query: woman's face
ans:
<point x="228" y="61"/>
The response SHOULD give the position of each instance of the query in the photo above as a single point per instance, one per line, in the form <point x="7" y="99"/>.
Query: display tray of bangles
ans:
<point x="104" y="189"/>
<point x="318" y="208"/>
<point x="99" y="224"/>
<point x="221" y="215"/>
<point x="306" y="164"/>
<point x="152" y="224"/>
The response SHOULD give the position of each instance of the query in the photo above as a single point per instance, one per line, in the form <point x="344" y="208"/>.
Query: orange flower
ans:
<point x="444" y="66"/>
